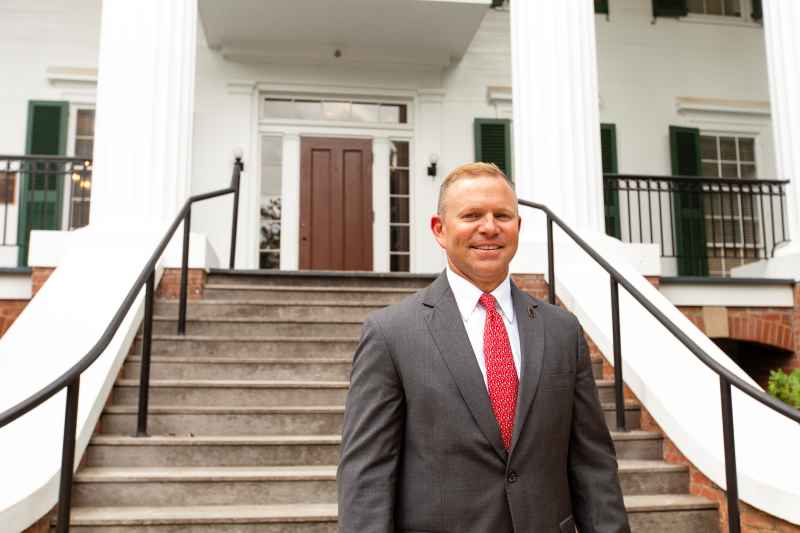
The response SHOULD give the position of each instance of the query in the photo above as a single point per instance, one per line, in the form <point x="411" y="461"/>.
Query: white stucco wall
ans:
<point x="643" y="69"/>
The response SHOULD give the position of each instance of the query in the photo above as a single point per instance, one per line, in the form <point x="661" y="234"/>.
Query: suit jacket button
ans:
<point x="512" y="477"/>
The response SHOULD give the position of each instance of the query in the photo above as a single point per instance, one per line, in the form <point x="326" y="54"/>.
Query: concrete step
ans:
<point x="320" y="278"/>
<point x="241" y="393"/>
<point x="632" y="414"/>
<point x="266" y="347"/>
<point x="668" y="513"/>
<point x="642" y="476"/>
<point x="259" y="327"/>
<point x="290" y="518"/>
<point x="285" y="310"/>
<point x="255" y="450"/>
<point x="120" y="486"/>
<point x="177" y="367"/>
<point x="672" y="513"/>
<point x="271" y="450"/>
<point x="281" y="293"/>
<point x="292" y="420"/>
<point x="243" y="421"/>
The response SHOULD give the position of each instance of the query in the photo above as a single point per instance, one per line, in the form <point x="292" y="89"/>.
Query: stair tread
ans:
<point x="238" y="383"/>
<point x="204" y="440"/>
<point x="257" y="320"/>
<point x="204" y="409"/>
<point x="203" y="514"/>
<point x="288" y="303"/>
<point x="640" y="503"/>
<point x="238" y="338"/>
<point x="310" y="288"/>
<point x="234" y="359"/>
<point x="110" y="474"/>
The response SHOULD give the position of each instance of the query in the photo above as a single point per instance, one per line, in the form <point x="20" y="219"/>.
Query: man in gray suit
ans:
<point x="472" y="406"/>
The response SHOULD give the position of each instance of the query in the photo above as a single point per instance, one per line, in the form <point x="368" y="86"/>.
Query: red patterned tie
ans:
<point x="501" y="376"/>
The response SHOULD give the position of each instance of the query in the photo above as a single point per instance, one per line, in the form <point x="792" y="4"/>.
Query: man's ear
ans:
<point x="437" y="228"/>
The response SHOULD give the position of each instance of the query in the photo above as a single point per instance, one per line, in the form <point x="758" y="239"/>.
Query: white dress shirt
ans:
<point x="474" y="316"/>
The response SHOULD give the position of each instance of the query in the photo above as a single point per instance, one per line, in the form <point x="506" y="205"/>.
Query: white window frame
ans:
<point x="745" y="6"/>
<point x="72" y="134"/>
<point x="409" y="224"/>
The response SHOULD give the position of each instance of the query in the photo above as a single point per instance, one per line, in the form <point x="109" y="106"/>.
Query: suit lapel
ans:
<point x="530" y="325"/>
<point x="447" y="329"/>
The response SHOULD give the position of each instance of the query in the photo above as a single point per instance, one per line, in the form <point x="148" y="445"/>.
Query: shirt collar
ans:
<point x="467" y="295"/>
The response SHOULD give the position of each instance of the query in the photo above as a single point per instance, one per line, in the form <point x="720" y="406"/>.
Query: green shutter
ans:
<point x="688" y="209"/>
<point x="757" y="13"/>
<point x="601" y="6"/>
<point x="42" y="184"/>
<point x="608" y="146"/>
<point x="493" y="142"/>
<point x="670" y="8"/>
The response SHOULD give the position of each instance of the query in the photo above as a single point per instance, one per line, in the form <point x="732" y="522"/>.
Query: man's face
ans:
<point x="479" y="229"/>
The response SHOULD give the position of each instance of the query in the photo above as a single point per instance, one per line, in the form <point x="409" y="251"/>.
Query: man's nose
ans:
<point x="488" y="225"/>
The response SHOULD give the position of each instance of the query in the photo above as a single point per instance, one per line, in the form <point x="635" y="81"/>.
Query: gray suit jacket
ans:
<point x="421" y="449"/>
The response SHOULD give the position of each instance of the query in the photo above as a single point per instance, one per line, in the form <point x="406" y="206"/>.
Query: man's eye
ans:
<point x="470" y="216"/>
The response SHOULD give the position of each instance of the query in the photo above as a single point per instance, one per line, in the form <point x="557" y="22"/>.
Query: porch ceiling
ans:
<point x="411" y="32"/>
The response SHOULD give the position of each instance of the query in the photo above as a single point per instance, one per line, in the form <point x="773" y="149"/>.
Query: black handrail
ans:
<point x="726" y="377"/>
<point x="71" y="378"/>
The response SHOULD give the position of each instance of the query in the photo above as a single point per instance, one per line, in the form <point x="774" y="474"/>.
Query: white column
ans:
<point x="556" y="125"/>
<point x="781" y="20"/>
<point x="240" y="133"/>
<point x="145" y="102"/>
<point x="380" y="204"/>
<point x="290" y="203"/>
<point x="426" y="256"/>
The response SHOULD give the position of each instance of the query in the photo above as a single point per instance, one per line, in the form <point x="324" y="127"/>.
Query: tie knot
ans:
<point x="487" y="301"/>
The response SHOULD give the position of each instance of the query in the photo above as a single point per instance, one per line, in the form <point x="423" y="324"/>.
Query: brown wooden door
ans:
<point x="336" y="204"/>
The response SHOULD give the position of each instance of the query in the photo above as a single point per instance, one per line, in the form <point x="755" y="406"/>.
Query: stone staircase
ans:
<point x="246" y="412"/>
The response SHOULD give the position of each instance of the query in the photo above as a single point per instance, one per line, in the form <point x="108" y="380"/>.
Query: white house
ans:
<point x="348" y="115"/>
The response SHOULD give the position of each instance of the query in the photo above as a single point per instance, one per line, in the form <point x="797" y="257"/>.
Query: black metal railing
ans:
<point x="709" y="225"/>
<point x="727" y="379"/>
<point x="40" y="185"/>
<point x="71" y="378"/>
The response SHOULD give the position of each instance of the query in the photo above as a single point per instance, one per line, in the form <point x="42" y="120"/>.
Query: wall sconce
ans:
<point x="238" y="155"/>
<point x="433" y="159"/>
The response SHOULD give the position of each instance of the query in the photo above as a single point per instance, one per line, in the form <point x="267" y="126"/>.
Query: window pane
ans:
<point x="399" y="154"/>
<point x="399" y="209"/>
<point x="271" y="165"/>
<point x="363" y="112"/>
<point x="695" y="6"/>
<point x="748" y="172"/>
<point x="277" y="108"/>
<point x="398" y="237"/>
<point x="269" y="260"/>
<point x="336" y="110"/>
<point x="398" y="182"/>
<point x="84" y="148"/>
<point x="747" y="149"/>
<point x="732" y="8"/>
<point x="309" y="109"/>
<point x="714" y="7"/>
<point x="710" y="170"/>
<point x="708" y="147"/>
<point x="390" y="114"/>
<point x="85" y="125"/>
<point x="727" y="148"/>
<point x="399" y="263"/>
<point x="729" y="170"/>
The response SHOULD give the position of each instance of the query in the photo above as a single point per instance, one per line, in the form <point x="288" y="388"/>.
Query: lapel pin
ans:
<point x="530" y="311"/>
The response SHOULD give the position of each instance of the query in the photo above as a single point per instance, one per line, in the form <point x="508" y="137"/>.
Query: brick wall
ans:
<point x="38" y="278"/>
<point x="169" y="286"/>
<point x="11" y="309"/>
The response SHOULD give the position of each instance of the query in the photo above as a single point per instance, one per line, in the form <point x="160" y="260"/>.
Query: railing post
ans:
<point x="235" y="186"/>
<point x="619" y="386"/>
<point x="144" y="374"/>
<point x="68" y="456"/>
<point x="187" y="225"/>
<point x="731" y="483"/>
<point x="551" y="269"/>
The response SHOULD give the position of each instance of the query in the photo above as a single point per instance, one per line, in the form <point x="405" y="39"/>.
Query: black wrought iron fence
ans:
<point x="42" y="192"/>
<point x="709" y="225"/>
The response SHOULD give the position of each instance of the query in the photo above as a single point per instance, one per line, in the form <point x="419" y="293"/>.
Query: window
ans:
<point x="732" y="223"/>
<point x="269" y="256"/>
<point x="343" y="110"/>
<point x="728" y="8"/>
<point x="493" y="142"/>
<point x="399" y="200"/>
<point x="81" y="182"/>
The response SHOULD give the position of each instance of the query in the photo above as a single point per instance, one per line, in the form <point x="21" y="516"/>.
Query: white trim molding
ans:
<point x="757" y="108"/>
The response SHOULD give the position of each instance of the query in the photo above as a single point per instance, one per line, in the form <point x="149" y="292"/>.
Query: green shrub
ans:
<point x="785" y="387"/>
